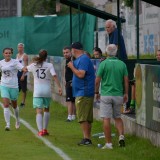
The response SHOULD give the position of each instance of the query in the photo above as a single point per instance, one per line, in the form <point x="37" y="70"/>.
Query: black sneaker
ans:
<point x="121" y="141"/>
<point x="85" y="142"/>
<point x="68" y="120"/>
<point x="22" y="105"/>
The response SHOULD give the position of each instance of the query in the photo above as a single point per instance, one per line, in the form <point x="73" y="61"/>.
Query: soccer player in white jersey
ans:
<point x="9" y="85"/>
<point x="42" y="72"/>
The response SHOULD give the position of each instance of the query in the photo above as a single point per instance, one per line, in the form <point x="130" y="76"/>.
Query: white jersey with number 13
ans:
<point x="42" y="78"/>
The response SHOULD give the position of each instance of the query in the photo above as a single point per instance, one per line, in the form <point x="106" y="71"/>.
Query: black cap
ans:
<point x="77" y="45"/>
<point x="97" y="49"/>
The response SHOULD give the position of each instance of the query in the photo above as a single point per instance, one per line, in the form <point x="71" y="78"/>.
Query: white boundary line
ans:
<point x="45" y="141"/>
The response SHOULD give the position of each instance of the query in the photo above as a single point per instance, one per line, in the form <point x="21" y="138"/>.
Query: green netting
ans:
<point x="50" y="33"/>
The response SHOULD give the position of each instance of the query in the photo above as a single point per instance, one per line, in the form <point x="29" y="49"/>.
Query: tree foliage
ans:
<point x="47" y="7"/>
<point x="65" y="9"/>
<point x="128" y="3"/>
<point x="38" y="7"/>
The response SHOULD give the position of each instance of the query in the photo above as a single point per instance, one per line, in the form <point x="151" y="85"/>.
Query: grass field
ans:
<point x="22" y="144"/>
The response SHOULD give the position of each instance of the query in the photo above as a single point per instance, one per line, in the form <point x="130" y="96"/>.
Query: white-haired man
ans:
<point x="113" y="76"/>
<point x="112" y="31"/>
<point x="22" y="76"/>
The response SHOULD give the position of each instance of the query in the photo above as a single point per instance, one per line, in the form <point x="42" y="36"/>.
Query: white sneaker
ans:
<point x="17" y="125"/>
<point x="107" y="146"/>
<point x="73" y="117"/>
<point x="7" y="128"/>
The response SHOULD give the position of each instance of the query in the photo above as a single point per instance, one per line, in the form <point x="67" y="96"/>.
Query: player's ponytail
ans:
<point x="42" y="57"/>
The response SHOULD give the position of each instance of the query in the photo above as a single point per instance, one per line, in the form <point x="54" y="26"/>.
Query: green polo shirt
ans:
<point x="112" y="72"/>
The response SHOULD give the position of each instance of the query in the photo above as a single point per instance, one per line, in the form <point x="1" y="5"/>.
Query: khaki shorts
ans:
<point x="84" y="109"/>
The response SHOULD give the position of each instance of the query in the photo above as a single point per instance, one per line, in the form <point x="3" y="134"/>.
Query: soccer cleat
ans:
<point x="107" y="146"/>
<point x="40" y="133"/>
<point x="85" y="142"/>
<point x="17" y="125"/>
<point x="45" y="132"/>
<point x="7" y="128"/>
<point x="121" y="141"/>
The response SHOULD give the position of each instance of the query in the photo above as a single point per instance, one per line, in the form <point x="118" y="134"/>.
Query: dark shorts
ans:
<point x="69" y="93"/>
<point x="22" y="84"/>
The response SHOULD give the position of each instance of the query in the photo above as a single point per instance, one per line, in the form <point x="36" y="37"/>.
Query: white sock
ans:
<point x="121" y="137"/>
<point x="16" y="113"/>
<point x="39" y="120"/>
<point x="46" y="118"/>
<point x="69" y="117"/>
<point x="73" y="117"/>
<point x="109" y="144"/>
<point x="7" y="116"/>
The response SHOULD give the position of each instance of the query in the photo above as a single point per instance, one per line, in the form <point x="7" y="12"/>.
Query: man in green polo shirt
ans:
<point x="113" y="76"/>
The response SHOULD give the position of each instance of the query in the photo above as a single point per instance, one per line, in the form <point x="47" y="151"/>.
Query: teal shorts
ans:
<point x="41" y="102"/>
<point x="10" y="93"/>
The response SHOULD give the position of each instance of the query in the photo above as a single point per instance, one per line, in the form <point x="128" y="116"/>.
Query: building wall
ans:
<point x="149" y="28"/>
<point x="8" y="8"/>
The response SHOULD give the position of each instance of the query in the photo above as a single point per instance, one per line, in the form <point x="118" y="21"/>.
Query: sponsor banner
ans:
<point x="140" y="94"/>
<point x="148" y="96"/>
<point x="153" y="97"/>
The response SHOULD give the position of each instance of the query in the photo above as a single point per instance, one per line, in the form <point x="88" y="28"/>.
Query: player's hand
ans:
<point x="97" y="96"/>
<point x="60" y="91"/>
<point x="125" y="98"/>
<point x="70" y="64"/>
<point x="22" y="78"/>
